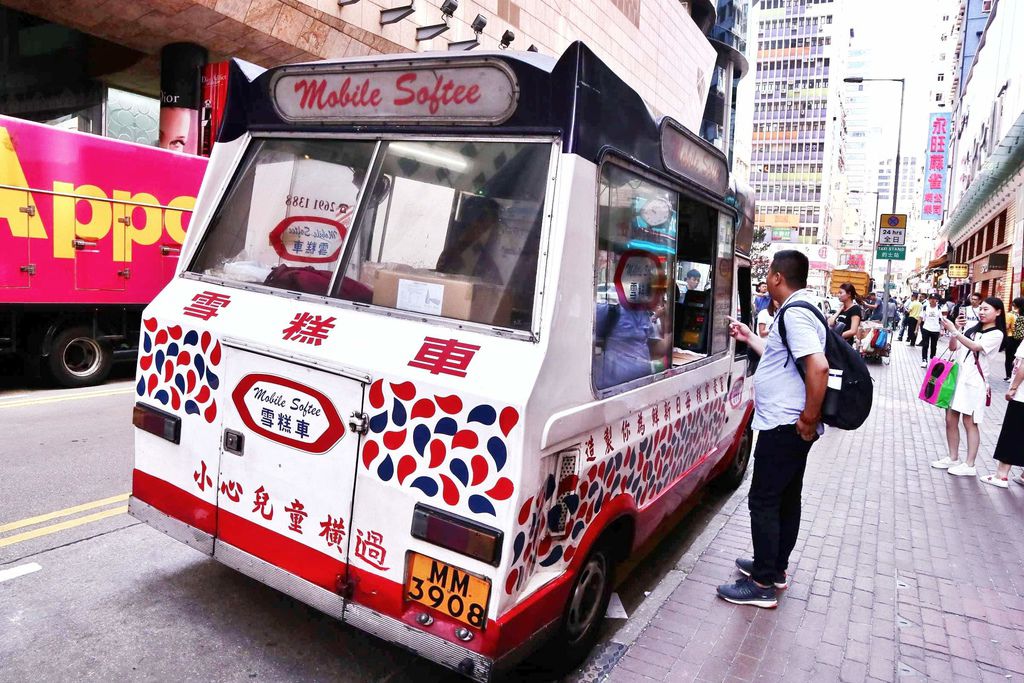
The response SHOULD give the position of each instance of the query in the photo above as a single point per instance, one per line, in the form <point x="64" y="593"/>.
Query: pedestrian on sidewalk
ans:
<point x="1014" y="334"/>
<point x="973" y="393"/>
<point x="914" y="307"/>
<point x="1010" y="447"/>
<point x="787" y="415"/>
<point x="761" y="298"/>
<point x="850" y="313"/>
<point x="931" y="327"/>
<point x="764" y="319"/>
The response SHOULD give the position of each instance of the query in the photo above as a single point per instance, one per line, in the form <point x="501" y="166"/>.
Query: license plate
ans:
<point x="448" y="589"/>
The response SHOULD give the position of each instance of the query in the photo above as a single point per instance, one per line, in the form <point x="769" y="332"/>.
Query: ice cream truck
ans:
<point x="447" y="343"/>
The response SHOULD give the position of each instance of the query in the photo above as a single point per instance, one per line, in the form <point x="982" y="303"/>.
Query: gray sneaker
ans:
<point x="746" y="567"/>
<point x="746" y="592"/>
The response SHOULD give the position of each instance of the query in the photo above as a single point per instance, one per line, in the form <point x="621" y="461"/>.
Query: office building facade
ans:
<point x="799" y="134"/>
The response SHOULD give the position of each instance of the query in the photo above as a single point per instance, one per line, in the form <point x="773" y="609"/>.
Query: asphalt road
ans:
<point x="89" y="593"/>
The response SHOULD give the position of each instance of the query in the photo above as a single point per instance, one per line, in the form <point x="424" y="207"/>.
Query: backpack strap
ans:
<point x="782" y="328"/>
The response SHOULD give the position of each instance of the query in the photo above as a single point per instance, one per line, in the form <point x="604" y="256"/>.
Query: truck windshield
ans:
<point x="450" y="229"/>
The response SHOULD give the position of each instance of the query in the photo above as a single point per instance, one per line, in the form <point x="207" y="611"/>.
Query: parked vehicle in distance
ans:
<point x="90" y="231"/>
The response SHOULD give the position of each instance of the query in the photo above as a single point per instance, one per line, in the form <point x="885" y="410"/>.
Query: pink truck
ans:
<point x="90" y="231"/>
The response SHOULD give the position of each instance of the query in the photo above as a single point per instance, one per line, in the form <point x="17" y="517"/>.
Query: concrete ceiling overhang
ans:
<point x="265" y="32"/>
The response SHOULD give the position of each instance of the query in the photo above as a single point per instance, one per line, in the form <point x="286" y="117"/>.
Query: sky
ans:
<point x="900" y="34"/>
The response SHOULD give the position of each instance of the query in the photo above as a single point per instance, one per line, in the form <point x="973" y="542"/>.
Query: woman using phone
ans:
<point x="849" y="315"/>
<point x="977" y="347"/>
<point x="931" y="327"/>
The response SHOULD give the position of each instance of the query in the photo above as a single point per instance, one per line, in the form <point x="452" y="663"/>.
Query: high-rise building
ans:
<point x="729" y="38"/>
<point x="799" y="133"/>
<point x="970" y="26"/>
<point x="910" y="177"/>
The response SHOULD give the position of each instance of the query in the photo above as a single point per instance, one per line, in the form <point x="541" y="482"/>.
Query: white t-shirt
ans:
<point x="931" y="319"/>
<point x="990" y="342"/>
<point x="971" y="314"/>
<point x="766" y="318"/>
<point x="1019" y="396"/>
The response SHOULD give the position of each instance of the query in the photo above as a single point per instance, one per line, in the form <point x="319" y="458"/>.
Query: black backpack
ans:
<point x="849" y="406"/>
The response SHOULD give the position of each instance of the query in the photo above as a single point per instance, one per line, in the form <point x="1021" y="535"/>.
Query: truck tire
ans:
<point x="736" y="472"/>
<point x="77" y="359"/>
<point x="584" y="611"/>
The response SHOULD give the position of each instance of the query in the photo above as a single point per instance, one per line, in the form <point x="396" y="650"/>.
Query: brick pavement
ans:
<point x="900" y="571"/>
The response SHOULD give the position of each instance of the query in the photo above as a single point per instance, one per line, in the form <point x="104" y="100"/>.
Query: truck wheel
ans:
<point x="584" y="610"/>
<point x="77" y="359"/>
<point x="733" y="475"/>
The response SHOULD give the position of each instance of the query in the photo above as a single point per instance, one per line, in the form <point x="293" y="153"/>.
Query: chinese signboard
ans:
<point x="891" y="252"/>
<point x="957" y="271"/>
<point x="937" y="153"/>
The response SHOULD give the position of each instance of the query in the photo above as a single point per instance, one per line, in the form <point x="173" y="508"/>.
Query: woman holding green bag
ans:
<point x="979" y="345"/>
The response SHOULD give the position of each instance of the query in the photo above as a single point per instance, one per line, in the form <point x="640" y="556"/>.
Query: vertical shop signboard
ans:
<point x="935" y="170"/>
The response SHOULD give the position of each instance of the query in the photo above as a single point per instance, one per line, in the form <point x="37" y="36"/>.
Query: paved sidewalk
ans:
<point x="900" y="571"/>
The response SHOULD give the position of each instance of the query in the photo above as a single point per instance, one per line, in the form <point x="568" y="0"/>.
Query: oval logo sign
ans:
<point x="287" y="412"/>
<point x="635" y="278"/>
<point x="308" y="239"/>
<point x="736" y="393"/>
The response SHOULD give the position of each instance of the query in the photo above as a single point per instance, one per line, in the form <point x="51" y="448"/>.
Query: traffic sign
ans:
<point x="892" y="229"/>
<point x="891" y="252"/>
<point x="892" y="220"/>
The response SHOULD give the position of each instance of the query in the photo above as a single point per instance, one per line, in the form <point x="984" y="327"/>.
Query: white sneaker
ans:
<point x="995" y="481"/>
<point x="963" y="470"/>
<point x="945" y="463"/>
<point x="924" y="364"/>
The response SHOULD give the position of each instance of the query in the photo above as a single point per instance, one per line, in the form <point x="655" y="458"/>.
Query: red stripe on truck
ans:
<point x="172" y="501"/>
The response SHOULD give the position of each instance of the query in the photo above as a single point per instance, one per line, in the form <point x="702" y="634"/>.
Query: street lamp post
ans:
<point x="895" y="186"/>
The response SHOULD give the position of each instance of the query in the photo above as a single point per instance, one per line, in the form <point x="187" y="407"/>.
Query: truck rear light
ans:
<point x="156" y="421"/>
<point x="455" y="533"/>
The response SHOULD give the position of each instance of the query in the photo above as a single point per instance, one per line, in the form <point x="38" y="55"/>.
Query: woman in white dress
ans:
<point x="979" y="345"/>
<point x="765" y="318"/>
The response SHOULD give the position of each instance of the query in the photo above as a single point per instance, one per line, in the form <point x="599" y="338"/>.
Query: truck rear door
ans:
<point x="99" y="255"/>
<point x="288" y="464"/>
<point x="15" y="262"/>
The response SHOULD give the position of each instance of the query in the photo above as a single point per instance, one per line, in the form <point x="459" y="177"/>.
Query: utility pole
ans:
<point x="895" y="189"/>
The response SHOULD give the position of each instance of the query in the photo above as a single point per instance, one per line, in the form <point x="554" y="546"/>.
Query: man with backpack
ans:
<point x="789" y="390"/>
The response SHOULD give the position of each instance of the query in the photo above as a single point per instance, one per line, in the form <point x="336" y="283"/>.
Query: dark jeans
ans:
<point x="928" y="339"/>
<point x="774" y="500"/>
<point x="1011" y="348"/>
<point x="912" y="330"/>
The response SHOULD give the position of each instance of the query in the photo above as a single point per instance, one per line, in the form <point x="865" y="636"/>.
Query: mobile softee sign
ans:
<point x="87" y="219"/>
<point x="479" y="92"/>
<point x="935" y="171"/>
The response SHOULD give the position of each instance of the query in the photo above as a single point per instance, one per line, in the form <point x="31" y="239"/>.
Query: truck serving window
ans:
<point x="286" y="218"/>
<point x="633" y="321"/>
<point x="452" y="229"/>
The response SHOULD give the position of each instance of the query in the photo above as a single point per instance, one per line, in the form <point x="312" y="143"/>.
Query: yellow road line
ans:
<point x="29" y="521"/>
<point x="58" y="399"/>
<point x="54" y="528"/>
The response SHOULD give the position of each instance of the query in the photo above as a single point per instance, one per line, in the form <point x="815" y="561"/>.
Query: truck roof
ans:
<point x="577" y="97"/>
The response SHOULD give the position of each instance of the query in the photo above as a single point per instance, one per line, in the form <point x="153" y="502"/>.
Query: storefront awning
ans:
<point x="940" y="262"/>
<point x="998" y="169"/>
